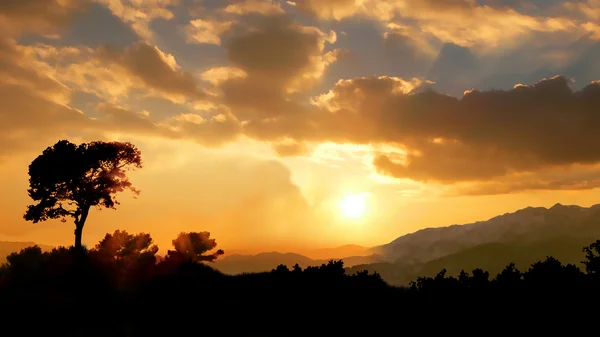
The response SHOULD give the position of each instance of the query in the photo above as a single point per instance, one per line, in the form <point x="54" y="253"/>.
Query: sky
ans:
<point x="289" y="125"/>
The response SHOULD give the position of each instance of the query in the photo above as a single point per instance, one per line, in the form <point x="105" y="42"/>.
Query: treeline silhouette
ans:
<point x="121" y="287"/>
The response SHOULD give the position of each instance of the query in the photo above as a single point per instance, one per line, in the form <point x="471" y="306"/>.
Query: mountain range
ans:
<point x="523" y="237"/>
<point x="237" y="264"/>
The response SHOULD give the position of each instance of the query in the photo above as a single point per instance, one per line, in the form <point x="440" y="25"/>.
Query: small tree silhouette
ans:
<point x="124" y="246"/>
<point x="193" y="245"/>
<point x="67" y="180"/>
<point x="592" y="261"/>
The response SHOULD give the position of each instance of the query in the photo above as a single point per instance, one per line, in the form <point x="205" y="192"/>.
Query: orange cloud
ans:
<point x="138" y="14"/>
<point x="274" y="58"/>
<point x="483" y="136"/>
<point x="156" y="70"/>
<point x="111" y="73"/>
<point x="207" y="31"/>
<point x="462" y="22"/>
<point x="244" y="7"/>
<point x="19" y="17"/>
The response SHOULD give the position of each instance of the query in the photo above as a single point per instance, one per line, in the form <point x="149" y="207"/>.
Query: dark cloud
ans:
<point x="47" y="17"/>
<point x="279" y="58"/>
<point x="479" y="137"/>
<point x="156" y="69"/>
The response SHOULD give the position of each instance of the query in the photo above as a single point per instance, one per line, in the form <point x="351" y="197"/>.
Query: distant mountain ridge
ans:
<point x="238" y="264"/>
<point x="523" y="236"/>
<point x="528" y="224"/>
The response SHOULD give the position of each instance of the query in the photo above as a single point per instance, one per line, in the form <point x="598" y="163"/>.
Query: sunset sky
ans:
<point x="269" y="122"/>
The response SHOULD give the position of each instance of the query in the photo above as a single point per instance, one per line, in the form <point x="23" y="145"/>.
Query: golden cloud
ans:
<point x="483" y="136"/>
<point x="207" y="31"/>
<point x="244" y="7"/>
<point x="278" y="59"/>
<point x="139" y="13"/>
<point x="48" y="17"/>
<point x="111" y="73"/>
<point x="462" y="22"/>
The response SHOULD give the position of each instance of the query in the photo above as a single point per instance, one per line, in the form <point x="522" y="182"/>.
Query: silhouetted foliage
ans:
<point x="121" y="288"/>
<point x="66" y="180"/>
<point x="194" y="245"/>
<point x="592" y="258"/>
<point x="122" y="273"/>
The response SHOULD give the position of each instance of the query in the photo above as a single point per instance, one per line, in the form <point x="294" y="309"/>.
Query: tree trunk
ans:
<point x="78" y="232"/>
<point x="79" y="223"/>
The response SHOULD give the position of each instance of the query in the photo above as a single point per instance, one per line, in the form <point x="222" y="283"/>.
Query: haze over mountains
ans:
<point x="8" y="247"/>
<point x="523" y="237"/>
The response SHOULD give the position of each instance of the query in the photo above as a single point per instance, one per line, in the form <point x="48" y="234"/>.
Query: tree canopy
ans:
<point x="66" y="180"/>
<point x="193" y="246"/>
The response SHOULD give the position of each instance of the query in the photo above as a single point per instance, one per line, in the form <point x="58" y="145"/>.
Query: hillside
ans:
<point x="523" y="237"/>
<point x="492" y="257"/>
<point x="527" y="225"/>
<point x="337" y="252"/>
<point x="237" y="264"/>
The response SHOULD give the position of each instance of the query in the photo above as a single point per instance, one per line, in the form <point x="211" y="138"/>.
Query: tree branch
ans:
<point x="72" y="213"/>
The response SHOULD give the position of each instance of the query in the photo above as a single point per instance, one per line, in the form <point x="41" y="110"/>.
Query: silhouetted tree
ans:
<point x="333" y="268"/>
<point x="281" y="269"/>
<point x="25" y="264"/>
<point x="509" y="277"/>
<point x="124" y="246"/>
<point x="592" y="255"/>
<point x="480" y="278"/>
<point x="552" y="273"/>
<point x="193" y="246"/>
<point x="67" y="180"/>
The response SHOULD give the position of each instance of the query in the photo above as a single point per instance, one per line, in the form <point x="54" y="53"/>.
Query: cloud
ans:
<point x="290" y="149"/>
<point x="209" y="131"/>
<point x="206" y="31"/>
<point x="138" y="14"/>
<point x="328" y="9"/>
<point x="573" y="178"/>
<point x="439" y="138"/>
<point x="156" y="69"/>
<point x="121" y="119"/>
<point x="37" y="83"/>
<point x="273" y="66"/>
<point x="34" y="104"/>
<point x="278" y="58"/>
<point x="19" y="17"/>
<point x="462" y="22"/>
<point x="112" y="73"/>
<point x="245" y="7"/>
<point x="218" y="75"/>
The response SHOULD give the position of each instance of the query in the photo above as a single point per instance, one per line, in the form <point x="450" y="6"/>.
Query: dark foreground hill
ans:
<point x="119" y="293"/>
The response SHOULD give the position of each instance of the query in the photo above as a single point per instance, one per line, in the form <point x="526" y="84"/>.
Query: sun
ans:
<point x="354" y="205"/>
